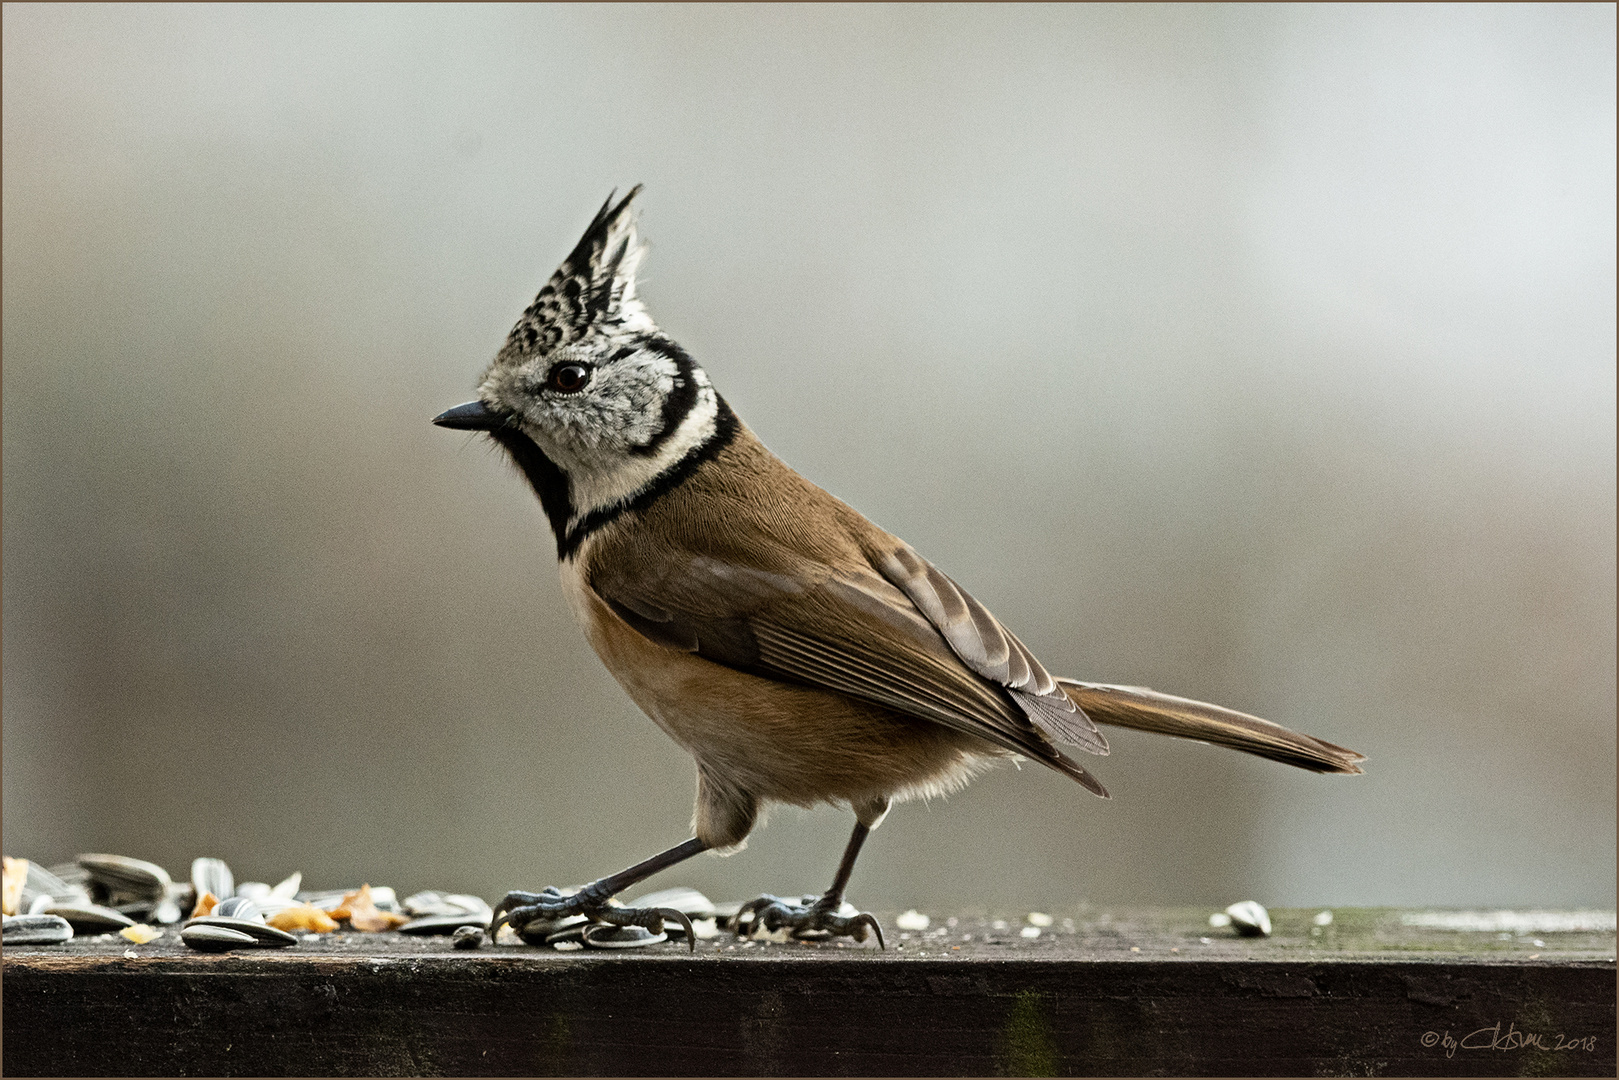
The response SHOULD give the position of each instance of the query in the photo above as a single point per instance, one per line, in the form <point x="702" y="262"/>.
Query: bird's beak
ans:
<point x="473" y="416"/>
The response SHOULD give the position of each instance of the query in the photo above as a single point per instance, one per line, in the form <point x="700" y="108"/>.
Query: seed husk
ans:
<point x="689" y="902"/>
<point x="209" y="875"/>
<point x="237" y="907"/>
<point x="443" y="924"/>
<point x="602" y="936"/>
<point x="259" y="932"/>
<point x="90" y="918"/>
<point x="137" y="878"/>
<point x="215" y="938"/>
<point x="436" y="903"/>
<point x="36" y="930"/>
<point x="549" y="931"/>
<point x="1249" y="918"/>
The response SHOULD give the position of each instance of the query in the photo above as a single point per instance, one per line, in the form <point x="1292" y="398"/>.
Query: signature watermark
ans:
<point x="1493" y="1038"/>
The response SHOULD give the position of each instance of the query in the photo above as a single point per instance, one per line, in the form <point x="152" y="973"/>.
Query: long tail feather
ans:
<point x="1147" y="710"/>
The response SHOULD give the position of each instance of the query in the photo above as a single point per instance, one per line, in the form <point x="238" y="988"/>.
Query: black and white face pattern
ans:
<point x="609" y="400"/>
<point x="613" y="416"/>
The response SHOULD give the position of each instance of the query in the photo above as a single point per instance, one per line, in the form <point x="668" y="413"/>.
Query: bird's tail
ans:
<point x="1147" y="710"/>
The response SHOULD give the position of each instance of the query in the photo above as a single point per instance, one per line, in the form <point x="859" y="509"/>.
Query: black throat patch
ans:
<point x="550" y="483"/>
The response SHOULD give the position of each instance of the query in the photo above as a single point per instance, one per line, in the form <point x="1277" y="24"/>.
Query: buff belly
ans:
<point x="751" y="733"/>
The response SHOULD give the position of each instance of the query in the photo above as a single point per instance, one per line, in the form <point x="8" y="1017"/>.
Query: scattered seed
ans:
<point x="600" y="936"/>
<point x="90" y="918"/>
<point x="912" y="920"/>
<point x="360" y="910"/>
<point x="444" y="924"/>
<point x="214" y="938"/>
<point x="1249" y="918"/>
<point x="36" y="930"/>
<point x="261" y="933"/>
<point x="141" y="935"/>
<point x="212" y="876"/>
<point x="16" y="875"/>
<point x="238" y="907"/>
<point x="303" y="917"/>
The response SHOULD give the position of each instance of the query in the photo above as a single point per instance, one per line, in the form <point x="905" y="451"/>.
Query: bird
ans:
<point x="798" y="652"/>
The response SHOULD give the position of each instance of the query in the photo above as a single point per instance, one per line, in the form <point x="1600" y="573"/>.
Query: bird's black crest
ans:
<point x="594" y="286"/>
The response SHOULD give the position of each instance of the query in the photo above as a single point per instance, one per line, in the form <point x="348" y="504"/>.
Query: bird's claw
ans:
<point x="804" y="921"/>
<point x="517" y="909"/>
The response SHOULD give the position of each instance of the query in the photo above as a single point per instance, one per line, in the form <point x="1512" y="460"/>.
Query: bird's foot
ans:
<point x="520" y="910"/>
<point x="816" y="918"/>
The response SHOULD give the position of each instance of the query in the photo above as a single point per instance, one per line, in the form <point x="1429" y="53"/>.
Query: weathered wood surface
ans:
<point x="1120" y="994"/>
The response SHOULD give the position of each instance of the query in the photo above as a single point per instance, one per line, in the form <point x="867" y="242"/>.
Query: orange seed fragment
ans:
<point x="306" y="918"/>
<point x="16" y="873"/>
<point x="362" y="913"/>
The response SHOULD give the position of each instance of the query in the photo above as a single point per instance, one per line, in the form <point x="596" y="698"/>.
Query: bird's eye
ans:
<point x="568" y="378"/>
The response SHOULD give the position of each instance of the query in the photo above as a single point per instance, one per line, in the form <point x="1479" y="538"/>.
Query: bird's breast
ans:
<point x="774" y="739"/>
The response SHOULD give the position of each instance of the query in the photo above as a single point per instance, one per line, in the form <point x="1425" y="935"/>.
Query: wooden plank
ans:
<point x="1372" y="997"/>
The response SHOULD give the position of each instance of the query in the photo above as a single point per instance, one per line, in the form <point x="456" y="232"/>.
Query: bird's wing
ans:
<point x="989" y="648"/>
<point x="849" y="629"/>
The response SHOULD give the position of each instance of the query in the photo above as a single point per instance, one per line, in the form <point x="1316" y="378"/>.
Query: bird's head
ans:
<point x="588" y="380"/>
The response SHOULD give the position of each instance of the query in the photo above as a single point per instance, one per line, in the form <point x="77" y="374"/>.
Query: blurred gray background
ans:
<point x="1263" y="355"/>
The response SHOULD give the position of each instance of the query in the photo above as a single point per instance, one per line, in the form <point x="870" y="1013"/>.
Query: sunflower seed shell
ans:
<point x="36" y="930"/>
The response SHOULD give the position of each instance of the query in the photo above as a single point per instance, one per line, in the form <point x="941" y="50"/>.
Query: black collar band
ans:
<point x="550" y="483"/>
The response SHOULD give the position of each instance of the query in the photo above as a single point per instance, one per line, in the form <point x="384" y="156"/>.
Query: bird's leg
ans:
<point x="817" y="919"/>
<point x="518" y="909"/>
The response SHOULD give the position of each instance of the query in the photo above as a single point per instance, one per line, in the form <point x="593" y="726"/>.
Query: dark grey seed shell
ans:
<point x="136" y="877"/>
<point x="90" y="918"/>
<point x="602" y="936"/>
<point x="36" y="930"/>
<point x="548" y="931"/>
<point x="209" y="875"/>
<point x="237" y="907"/>
<point x="264" y="935"/>
<point x="443" y="924"/>
<point x="467" y="937"/>
<point x="217" y="937"/>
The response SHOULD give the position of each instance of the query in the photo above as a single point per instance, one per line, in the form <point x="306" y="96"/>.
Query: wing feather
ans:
<point x="852" y="631"/>
<point x="990" y="649"/>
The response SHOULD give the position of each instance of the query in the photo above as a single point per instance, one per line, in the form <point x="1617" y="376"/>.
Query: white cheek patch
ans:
<point x="599" y="482"/>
